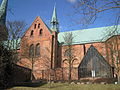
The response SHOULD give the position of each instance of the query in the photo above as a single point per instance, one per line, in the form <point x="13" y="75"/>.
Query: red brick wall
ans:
<point x="48" y="48"/>
<point x="52" y="55"/>
<point x="78" y="53"/>
<point x="112" y="44"/>
<point x="103" y="49"/>
<point x="44" y="61"/>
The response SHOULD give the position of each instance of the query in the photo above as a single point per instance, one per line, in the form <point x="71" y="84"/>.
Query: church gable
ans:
<point x="36" y="38"/>
<point x="94" y="65"/>
<point x="36" y="42"/>
<point x="38" y="29"/>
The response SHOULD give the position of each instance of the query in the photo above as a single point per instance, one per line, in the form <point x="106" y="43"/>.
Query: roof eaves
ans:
<point x="102" y="38"/>
<point x="47" y="27"/>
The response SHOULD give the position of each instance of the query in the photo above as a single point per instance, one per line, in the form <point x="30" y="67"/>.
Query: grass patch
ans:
<point x="65" y="86"/>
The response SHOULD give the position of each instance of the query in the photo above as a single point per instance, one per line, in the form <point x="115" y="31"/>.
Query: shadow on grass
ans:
<point x="28" y="84"/>
<point x="56" y="85"/>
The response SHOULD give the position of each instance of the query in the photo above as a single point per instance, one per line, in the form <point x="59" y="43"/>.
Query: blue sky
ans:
<point x="28" y="10"/>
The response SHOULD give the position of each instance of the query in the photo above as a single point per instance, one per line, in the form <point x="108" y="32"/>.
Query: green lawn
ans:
<point x="65" y="86"/>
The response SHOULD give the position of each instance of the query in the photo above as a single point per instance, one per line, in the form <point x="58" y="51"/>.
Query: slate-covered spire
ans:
<point x="3" y="10"/>
<point x="54" y="21"/>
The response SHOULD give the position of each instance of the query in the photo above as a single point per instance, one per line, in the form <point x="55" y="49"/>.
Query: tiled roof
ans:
<point x="91" y="35"/>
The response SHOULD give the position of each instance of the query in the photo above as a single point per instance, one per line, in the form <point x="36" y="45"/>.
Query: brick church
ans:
<point x="95" y="51"/>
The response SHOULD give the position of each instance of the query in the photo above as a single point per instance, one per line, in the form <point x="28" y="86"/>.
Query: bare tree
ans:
<point x="32" y="56"/>
<point x="8" y="49"/>
<point x="24" y="47"/>
<point x="113" y="47"/>
<point x="114" y="54"/>
<point x="68" y="39"/>
<point x="27" y="52"/>
<point x="91" y="9"/>
<point x="15" y="31"/>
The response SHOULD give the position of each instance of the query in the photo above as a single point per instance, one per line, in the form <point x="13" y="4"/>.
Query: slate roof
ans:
<point x="91" y="35"/>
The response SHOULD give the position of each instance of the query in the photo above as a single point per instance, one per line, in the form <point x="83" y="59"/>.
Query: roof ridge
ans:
<point x="89" y="28"/>
<point x="91" y="35"/>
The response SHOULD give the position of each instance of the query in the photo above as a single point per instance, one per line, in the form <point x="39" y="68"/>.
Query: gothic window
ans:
<point x="37" y="50"/>
<point x="39" y="25"/>
<point x="31" y="50"/>
<point x="40" y="32"/>
<point x="31" y="34"/>
<point x="35" y="26"/>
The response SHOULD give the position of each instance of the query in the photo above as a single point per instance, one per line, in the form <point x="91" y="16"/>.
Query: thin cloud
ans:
<point x="71" y="1"/>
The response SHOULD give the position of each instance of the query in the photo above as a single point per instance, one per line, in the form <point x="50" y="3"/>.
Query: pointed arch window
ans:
<point x="37" y="50"/>
<point x="40" y="32"/>
<point x="31" y="51"/>
<point x="35" y="26"/>
<point x="31" y="34"/>
<point x="39" y="25"/>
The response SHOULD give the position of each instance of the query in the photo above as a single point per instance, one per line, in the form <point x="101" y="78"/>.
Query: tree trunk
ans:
<point x="69" y="75"/>
<point x="118" y="79"/>
<point x="32" y="71"/>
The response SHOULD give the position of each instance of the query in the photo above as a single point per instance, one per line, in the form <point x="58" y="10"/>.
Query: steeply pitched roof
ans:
<point x="93" y="53"/>
<point x="47" y="27"/>
<point x="38" y="18"/>
<point x="94" y="61"/>
<point x="3" y="9"/>
<point x="54" y="21"/>
<point x="54" y="16"/>
<point x="86" y="35"/>
<point x="91" y="35"/>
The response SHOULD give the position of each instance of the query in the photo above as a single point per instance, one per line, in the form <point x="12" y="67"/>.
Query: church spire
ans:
<point x="54" y="21"/>
<point x="3" y="10"/>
